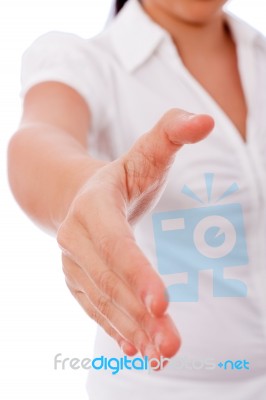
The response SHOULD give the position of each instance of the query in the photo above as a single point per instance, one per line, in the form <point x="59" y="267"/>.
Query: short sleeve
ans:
<point x="69" y="59"/>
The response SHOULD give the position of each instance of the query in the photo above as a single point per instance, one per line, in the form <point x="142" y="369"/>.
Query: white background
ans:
<point x="39" y="318"/>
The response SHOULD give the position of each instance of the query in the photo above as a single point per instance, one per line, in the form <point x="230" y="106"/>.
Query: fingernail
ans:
<point x="158" y="340"/>
<point x="127" y="348"/>
<point x="153" y="356"/>
<point x="191" y="116"/>
<point x="148" y="303"/>
<point x="186" y="116"/>
<point x="123" y="346"/>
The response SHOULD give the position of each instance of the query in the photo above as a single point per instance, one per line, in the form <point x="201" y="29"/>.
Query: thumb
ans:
<point x="147" y="162"/>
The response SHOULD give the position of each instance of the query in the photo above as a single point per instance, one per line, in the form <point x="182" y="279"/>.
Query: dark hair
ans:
<point x="119" y="4"/>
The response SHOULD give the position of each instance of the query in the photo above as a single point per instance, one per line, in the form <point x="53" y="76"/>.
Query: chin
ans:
<point x="198" y="12"/>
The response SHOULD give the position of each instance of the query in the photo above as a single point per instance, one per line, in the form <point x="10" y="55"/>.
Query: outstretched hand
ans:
<point x="105" y="270"/>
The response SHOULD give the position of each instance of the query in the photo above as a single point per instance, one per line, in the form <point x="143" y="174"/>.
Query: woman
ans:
<point x="200" y="233"/>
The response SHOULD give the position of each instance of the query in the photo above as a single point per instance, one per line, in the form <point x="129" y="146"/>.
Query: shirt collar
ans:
<point x="136" y="37"/>
<point x="242" y="32"/>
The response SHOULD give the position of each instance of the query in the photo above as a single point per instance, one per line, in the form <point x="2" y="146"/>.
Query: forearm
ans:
<point x="47" y="167"/>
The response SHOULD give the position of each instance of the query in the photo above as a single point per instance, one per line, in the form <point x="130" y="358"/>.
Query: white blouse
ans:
<point x="207" y="234"/>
